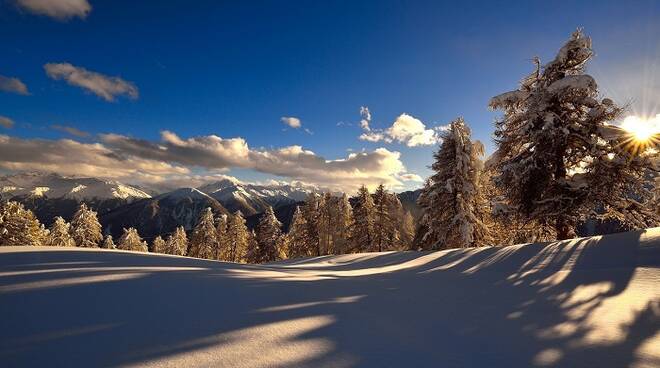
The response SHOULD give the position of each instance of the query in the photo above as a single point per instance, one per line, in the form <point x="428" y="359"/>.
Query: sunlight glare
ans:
<point x="641" y="128"/>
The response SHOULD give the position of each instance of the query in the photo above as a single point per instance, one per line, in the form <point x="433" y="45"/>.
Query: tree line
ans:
<point x="322" y="225"/>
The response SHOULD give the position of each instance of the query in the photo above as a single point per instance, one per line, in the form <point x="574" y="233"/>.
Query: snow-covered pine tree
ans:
<point x="310" y="211"/>
<point x="362" y="230"/>
<point x="343" y="223"/>
<point x="19" y="226"/>
<point x="108" y="243"/>
<point x="297" y="236"/>
<point x="450" y="200"/>
<point x="252" y="252"/>
<point x="238" y="238"/>
<point x="177" y="242"/>
<point x="324" y="225"/>
<point x="268" y="236"/>
<point x="384" y="220"/>
<point x="559" y="160"/>
<point x="59" y="234"/>
<point x="407" y="231"/>
<point x="204" y="239"/>
<point x="85" y="228"/>
<point x="222" y="243"/>
<point x="131" y="240"/>
<point x="158" y="245"/>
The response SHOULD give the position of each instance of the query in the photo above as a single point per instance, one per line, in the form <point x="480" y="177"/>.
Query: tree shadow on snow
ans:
<point x="534" y="305"/>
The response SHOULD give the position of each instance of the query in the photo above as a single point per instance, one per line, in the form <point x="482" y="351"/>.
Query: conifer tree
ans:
<point x="384" y="229"/>
<point x="362" y="231"/>
<point x="450" y="199"/>
<point x="131" y="240"/>
<point x="223" y="241"/>
<point x="108" y="243"/>
<point x="19" y="226"/>
<point x="268" y="237"/>
<point x="344" y="221"/>
<point x="158" y="245"/>
<point x="59" y="234"/>
<point x="238" y="238"/>
<point x="177" y="242"/>
<point x="407" y="231"/>
<point x="252" y="254"/>
<point x="204" y="239"/>
<point x="324" y="225"/>
<point x="297" y="236"/>
<point x="559" y="159"/>
<point x="85" y="227"/>
<point x="310" y="211"/>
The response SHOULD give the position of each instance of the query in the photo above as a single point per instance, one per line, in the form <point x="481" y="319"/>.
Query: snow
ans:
<point x="574" y="82"/>
<point x="57" y="186"/>
<point x="591" y="302"/>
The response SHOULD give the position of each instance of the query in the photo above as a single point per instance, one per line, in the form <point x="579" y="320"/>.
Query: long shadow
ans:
<point x="533" y="305"/>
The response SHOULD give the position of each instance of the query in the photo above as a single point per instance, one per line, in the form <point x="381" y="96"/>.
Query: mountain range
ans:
<point x="120" y="205"/>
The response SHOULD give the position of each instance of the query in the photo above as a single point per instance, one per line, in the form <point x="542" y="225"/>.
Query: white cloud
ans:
<point x="291" y="121"/>
<point x="58" y="9"/>
<point x="6" y="122"/>
<point x="70" y="130"/>
<point x="13" y="85"/>
<point x="406" y="129"/>
<point x="366" y="118"/>
<point x="176" y="159"/>
<point x="101" y="85"/>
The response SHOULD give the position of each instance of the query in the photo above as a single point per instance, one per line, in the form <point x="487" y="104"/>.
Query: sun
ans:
<point x="642" y="134"/>
<point x="642" y="129"/>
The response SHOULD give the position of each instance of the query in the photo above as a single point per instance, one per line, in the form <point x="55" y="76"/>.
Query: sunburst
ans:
<point x="642" y="133"/>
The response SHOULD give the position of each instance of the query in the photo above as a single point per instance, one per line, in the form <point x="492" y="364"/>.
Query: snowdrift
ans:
<point x="589" y="302"/>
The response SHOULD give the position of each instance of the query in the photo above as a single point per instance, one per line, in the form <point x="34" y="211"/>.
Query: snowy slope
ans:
<point x="590" y="302"/>
<point x="55" y="186"/>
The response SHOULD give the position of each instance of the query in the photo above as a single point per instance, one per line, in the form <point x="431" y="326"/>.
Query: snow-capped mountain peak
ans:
<point x="55" y="186"/>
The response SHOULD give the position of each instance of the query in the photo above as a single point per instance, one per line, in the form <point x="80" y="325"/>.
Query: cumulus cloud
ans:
<point x="70" y="130"/>
<point x="58" y="9"/>
<point x="291" y="121"/>
<point x="13" y="85"/>
<point x="406" y="129"/>
<point x="366" y="118"/>
<point x="106" y="87"/>
<point x="173" y="158"/>
<point x="6" y="122"/>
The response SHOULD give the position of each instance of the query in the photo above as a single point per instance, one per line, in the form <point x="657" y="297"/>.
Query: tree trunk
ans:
<point x="564" y="229"/>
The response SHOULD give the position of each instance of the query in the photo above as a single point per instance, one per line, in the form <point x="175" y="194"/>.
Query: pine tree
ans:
<point x="132" y="241"/>
<point x="158" y="245"/>
<point x="407" y="231"/>
<point x="297" y="236"/>
<point x="59" y="234"/>
<point x="362" y="231"/>
<point x="238" y="239"/>
<point x="19" y="226"/>
<point x="268" y="236"/>
<point x="108" y="243"/>
<point x="252" y="254"/>
<point x="558" y="158"/>
<point x="324" y="225"/>
<point x="450" y="200"/>
<point x="204" y="240"/>
<point x="222" y="250"/>
<point x="310" y="211"/>
<point x="384" y="230"/>
<point x="177" y="242"/>
<point x="344" y="221"/>
<point x="85" y="228"/>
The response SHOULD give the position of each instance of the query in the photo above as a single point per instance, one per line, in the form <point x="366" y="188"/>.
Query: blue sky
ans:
<point x="235" y="69"/>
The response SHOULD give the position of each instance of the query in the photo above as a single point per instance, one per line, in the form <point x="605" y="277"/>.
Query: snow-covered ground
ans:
<point x="590" y="302"/>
